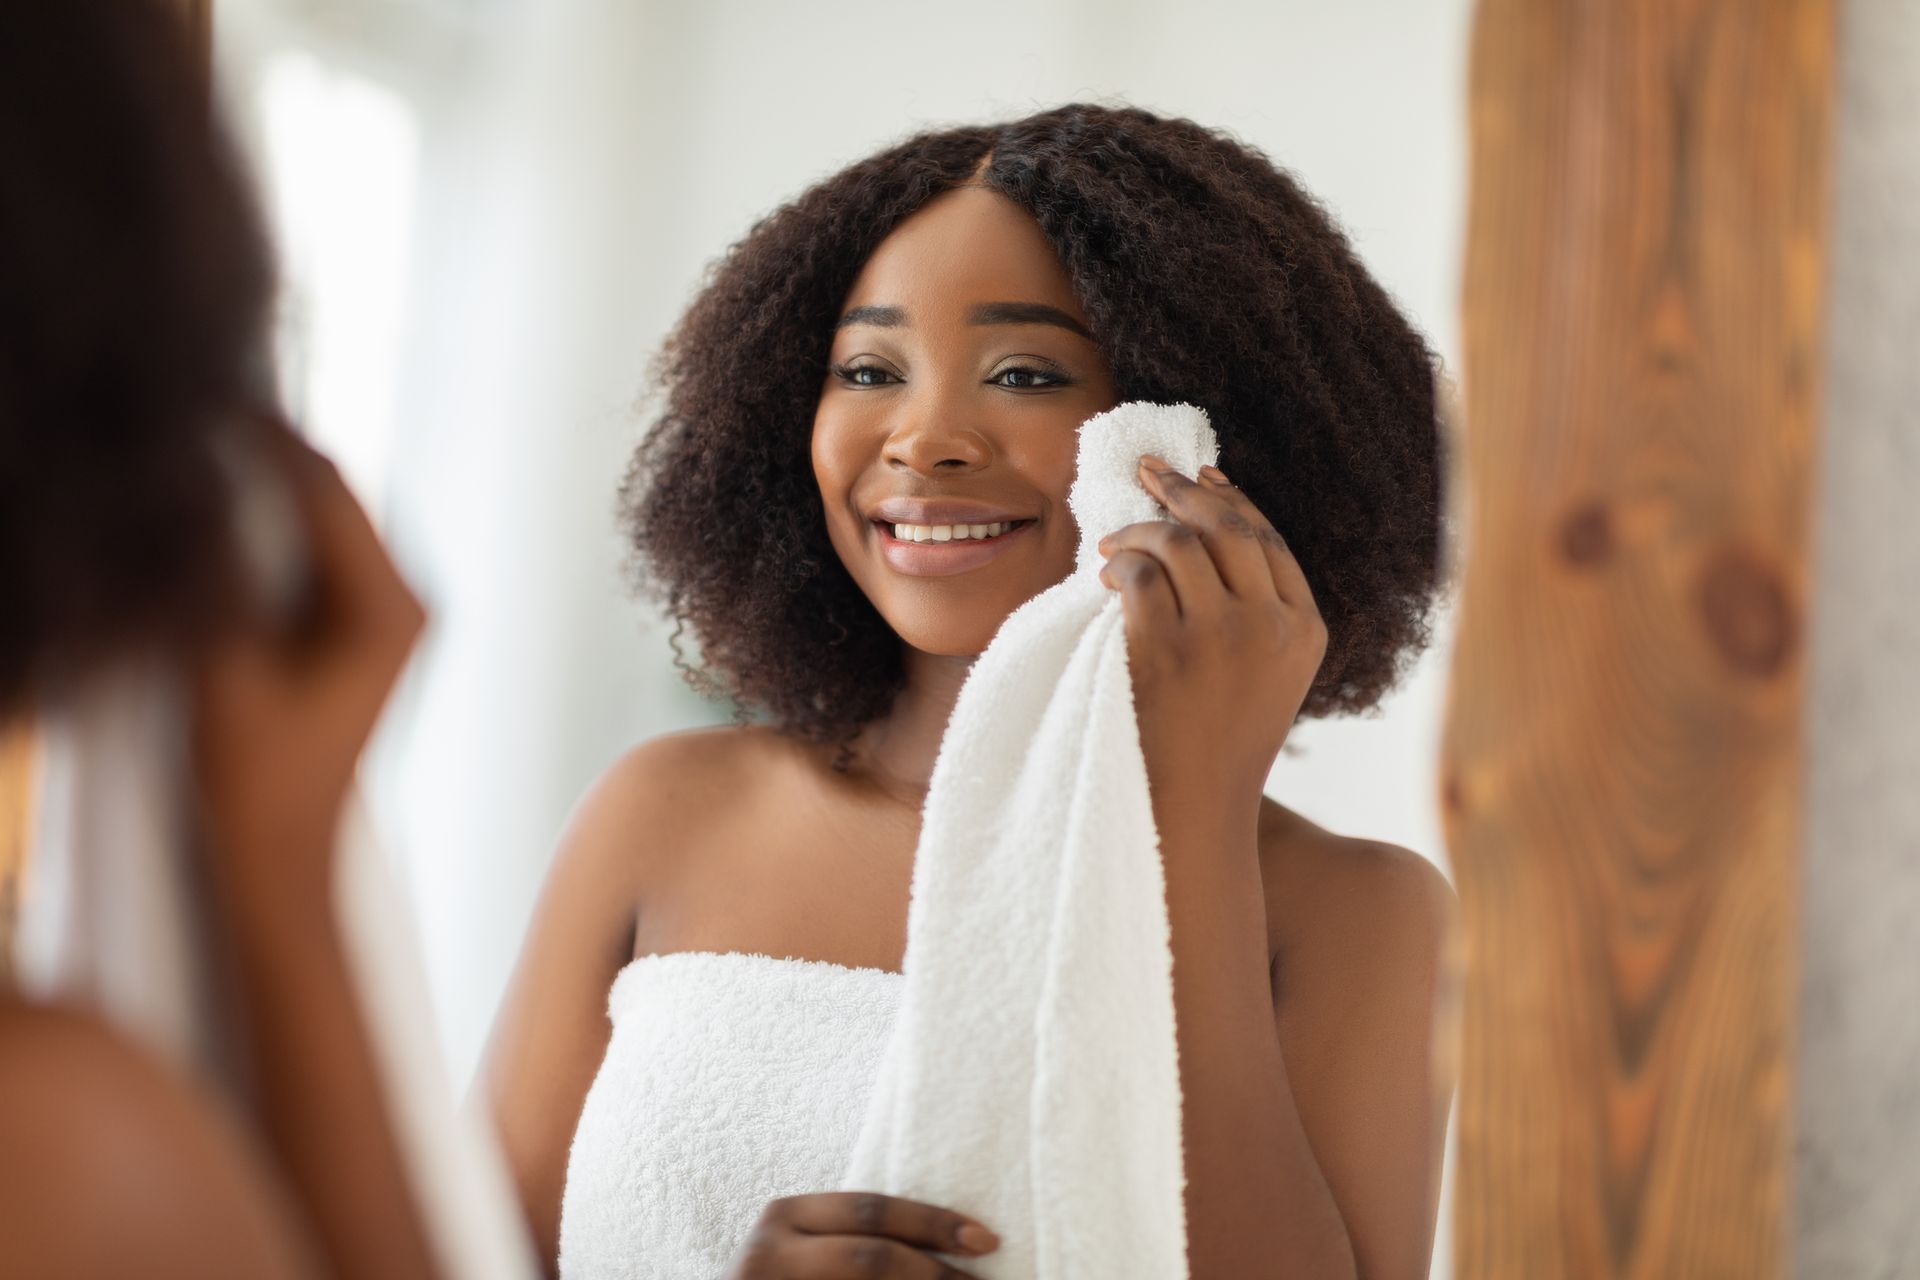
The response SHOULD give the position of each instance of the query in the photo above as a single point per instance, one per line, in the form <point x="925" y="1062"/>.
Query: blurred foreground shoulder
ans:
<point x="112" y="1165"/>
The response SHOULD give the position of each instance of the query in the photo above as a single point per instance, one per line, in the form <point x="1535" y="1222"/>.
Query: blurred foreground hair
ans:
<point x="138" y="283"/>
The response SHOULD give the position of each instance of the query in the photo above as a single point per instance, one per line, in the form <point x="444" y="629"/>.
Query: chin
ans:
<point x="955" y="628"/>
<point x="964" y="638"/>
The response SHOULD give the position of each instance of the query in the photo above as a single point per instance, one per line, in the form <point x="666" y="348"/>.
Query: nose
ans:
<point x="932" y="434"/>
<point x="928" y="440"/>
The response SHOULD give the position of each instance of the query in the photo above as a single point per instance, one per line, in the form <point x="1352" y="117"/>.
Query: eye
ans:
<point x="1023" y="377"/>
<point x="850" y="374"/>
<point x="1026" y="371"/>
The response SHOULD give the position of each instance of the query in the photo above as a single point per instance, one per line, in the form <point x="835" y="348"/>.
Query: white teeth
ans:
<point x="949" y="532"/>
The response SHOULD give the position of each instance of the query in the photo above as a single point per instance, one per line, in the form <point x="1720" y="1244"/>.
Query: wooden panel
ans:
<point x="1622" y="757"/>
<point x="15" y="781"/>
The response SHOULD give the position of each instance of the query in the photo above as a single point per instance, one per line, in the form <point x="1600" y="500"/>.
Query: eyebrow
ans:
<point x="891" y="317"/>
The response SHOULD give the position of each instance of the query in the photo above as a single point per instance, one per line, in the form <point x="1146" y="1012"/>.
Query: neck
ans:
<point x="897" y="751"/>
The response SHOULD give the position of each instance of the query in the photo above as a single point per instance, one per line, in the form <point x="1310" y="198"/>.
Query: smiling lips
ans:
<point x="932" y="559"/>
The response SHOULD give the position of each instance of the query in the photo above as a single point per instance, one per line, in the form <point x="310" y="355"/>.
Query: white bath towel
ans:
<point x="112" y="920"/>
<point x="1032" y="1077"/>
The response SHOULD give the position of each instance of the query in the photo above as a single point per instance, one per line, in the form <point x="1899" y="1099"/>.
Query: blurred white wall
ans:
<point x="1858" y="1100"/>
<point x="574" y="166"/>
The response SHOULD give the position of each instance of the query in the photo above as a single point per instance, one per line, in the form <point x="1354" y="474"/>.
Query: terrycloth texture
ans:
<point x="730" y="1080"/>
<point x="112" y="920"/>
<point x="1032" y="1079"/>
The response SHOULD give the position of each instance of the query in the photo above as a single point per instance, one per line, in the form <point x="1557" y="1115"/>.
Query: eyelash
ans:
<point x="845" y="373"/>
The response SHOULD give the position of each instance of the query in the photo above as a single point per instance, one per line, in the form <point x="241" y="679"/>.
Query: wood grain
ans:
<point x="1621" y="763"/>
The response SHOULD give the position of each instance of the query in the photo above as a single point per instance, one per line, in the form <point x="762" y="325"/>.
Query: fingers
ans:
<point x="1252" y="559"/>
<point x="1148" y="563"/>
<point x="363" y="598"/>
<point x="1224" y="533"/>
<point x="312" y="671"/>
<point x="842" y="1257"/>
<point x="870" y="1213"/>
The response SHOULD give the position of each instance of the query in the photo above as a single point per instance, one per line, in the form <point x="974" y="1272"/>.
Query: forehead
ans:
<point x="964" y="246"/>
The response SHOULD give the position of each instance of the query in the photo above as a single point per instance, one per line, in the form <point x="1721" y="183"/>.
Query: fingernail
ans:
<point x="1153" y="462"/>
<point x="1213" y="473"/>
<point x="975" y="1238"/>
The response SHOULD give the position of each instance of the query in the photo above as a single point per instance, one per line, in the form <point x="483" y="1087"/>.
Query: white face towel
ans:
<point x="1032" y="1078"/>
<point x="110" y="917"/>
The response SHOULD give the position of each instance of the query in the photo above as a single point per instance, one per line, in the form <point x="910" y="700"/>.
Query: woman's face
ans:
<point x="961" y="369"/>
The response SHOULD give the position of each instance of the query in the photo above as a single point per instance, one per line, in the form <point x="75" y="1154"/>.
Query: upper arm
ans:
<point x="551" y="1031"/>
<point x="1362" y="1032"/>
<point x="95" y="1135"/>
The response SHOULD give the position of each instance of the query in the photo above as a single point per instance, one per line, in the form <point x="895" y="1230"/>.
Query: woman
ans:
<point x="138" y="285"/>
<point x="904" y="353"/>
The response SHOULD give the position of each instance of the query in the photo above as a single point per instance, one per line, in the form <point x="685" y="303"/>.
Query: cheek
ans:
<point x="829" y="454"/>
<point x="1048" y="461"/>
<point x="836" y="461"/>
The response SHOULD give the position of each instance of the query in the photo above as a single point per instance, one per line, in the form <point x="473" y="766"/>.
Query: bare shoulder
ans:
<point x="1346" y="908"/>
<point x="678" y="765"/>
<point x="92" y="1130"/>
<point x="1360" y="932"/>
<point x="690" y="763"/>
<point x="1305" y="856"/>
<point x="645" y="808"/>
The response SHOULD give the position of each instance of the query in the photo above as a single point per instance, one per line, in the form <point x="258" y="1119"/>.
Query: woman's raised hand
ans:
<point x="1224" y="639"/>
<point x="857" y="1235"/>
<point x="281" y="714"/>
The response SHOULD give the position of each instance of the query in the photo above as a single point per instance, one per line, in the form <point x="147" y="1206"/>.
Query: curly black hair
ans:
<point x="138" y="286"/>
<point x="1210" y="277"/>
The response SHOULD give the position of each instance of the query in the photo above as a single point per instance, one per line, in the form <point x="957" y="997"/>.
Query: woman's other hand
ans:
<point x="857" y="1235"/>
